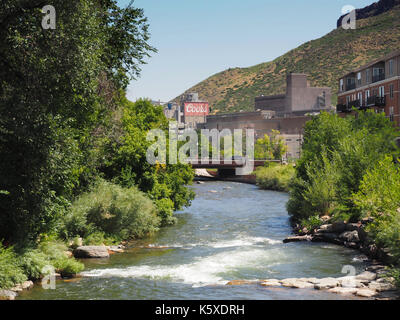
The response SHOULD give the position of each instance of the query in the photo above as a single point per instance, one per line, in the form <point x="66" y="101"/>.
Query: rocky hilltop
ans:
<point x="372" y="10"/>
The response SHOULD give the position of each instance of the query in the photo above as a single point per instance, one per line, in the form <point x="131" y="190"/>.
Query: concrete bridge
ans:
<point x="227" y="169"/>
<point x="225" y="164"/>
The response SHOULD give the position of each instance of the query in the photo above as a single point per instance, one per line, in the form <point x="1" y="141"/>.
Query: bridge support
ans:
<point x="226" y="173"/>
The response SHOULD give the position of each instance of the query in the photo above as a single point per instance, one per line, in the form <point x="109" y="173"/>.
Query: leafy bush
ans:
<point x="274" y="177"/>
<point x="68" y="266"/>
<point x="380" y="189"/>
<point x="33" y="262"/>
<point x="10" y="271"/>
<point x="379" y="197"/>
<point x="111" y="211"/>
<point x="337" y="153"/>
<point x="55" y="251"/>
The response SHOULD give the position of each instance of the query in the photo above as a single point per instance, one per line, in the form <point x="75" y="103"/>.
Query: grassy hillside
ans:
<point x="324" y="60"/>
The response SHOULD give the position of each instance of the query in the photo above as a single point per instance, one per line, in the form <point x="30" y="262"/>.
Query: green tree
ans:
<point x="126" y="164"/>
<point x="56" y="88"/>
<point x="270" y="147"/>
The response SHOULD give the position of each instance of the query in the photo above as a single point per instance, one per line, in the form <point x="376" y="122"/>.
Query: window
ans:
<point x="378" y="74"/>
<point x="367" y="95"/>
<point x="360" y="98"/>
<point x="391" y="89"/>
<point x="341" y="85"/>
<point x="391" y="67"/>
<point x="359" y="78"/>
<point x="368" y="75"/>
<point x="382" y="91"/>
<point x="348" y="99"/>
<point x="391" y="113"/>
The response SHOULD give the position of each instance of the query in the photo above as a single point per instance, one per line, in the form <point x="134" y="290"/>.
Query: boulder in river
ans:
<point x="296" y="283"/>
<point x="7" y="295"/>
<point x="350" y="236"/>
<point x="366" y="293"/>
<point x="297" y="239"/>
<point x="239" y="282"/>
<point x="27" y="285"/>
<point x="271" y="283"/>
<point x="367" y="276"/>
<point x="90" y="252"/>
<point x="326" y="283"/>
<point x="343" y="290"/>
<point x="381" y="286"/>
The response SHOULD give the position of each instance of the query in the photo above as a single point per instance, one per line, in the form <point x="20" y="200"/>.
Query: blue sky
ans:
<point x="198" y="38"/>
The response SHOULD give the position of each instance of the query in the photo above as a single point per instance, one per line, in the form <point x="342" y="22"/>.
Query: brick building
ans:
<point x="375" y="85"/>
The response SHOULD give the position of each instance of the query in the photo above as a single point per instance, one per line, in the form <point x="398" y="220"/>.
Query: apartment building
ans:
<point x="375" y="85"/>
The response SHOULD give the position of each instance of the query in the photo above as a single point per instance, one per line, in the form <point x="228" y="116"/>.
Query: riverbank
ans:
<point x="355" y="236"/>
<point x="373" y="283"/>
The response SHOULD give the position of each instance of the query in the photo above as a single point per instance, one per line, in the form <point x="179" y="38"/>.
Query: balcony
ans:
<point x="350" y="86"/>
<point x="376" y="101"/>
<point x="378" y="77"/>
<point x="343" y="108"/>
<point x="354" y="104"/>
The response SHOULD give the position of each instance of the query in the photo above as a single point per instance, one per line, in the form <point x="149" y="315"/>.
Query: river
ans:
<point x="231" y="231"/>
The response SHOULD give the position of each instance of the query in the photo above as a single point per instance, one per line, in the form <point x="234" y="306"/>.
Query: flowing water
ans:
<point x="231" y="231"/>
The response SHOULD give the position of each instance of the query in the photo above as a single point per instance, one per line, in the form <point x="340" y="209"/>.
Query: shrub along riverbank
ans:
<point x="349" y="171"/>
<point x="275" y="177"/>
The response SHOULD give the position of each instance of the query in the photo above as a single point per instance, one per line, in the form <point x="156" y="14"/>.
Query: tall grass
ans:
<point x="275" y="177"/>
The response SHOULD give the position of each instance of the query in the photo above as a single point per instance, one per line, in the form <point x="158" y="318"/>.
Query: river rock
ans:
<point x="326" y="283"/>
<point x="367" y="275"/>
<point x="325" y="237"/>
<point x="366" y="293"/>
<point x="239" y="282"/>
<point x="310" y="280"/>
<point x="337" y="227"/>
<point x="91" y="252"/>
<point x="325" y="218"/>
<point x="381" y="286"/>
<point x="116" y="249"/>
<point x="27" y="285"/>
<point x="351" y="282"/>
<point x="349" y="236"/>
<point x="341" y="290"/>
<point x="7" y="295"/>
<point x="352" y="226"/>
<point x="375" y="268"/>
<point x="296" y="283"/>
<point x="271" y="283"/>
<point x="324" y="228"/>
<point x="297" y="239"/>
